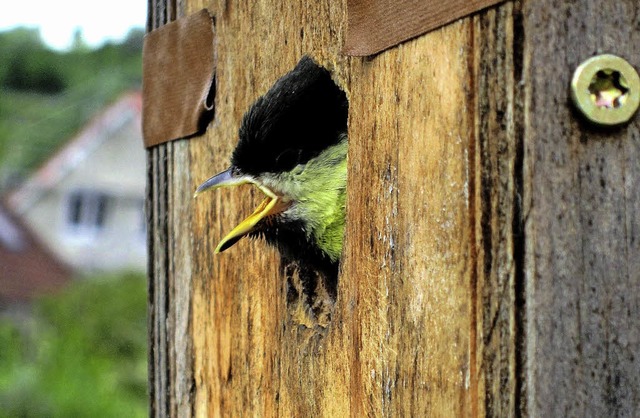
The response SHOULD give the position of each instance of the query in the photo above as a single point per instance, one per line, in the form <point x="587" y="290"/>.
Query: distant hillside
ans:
<point x="46" y="96"/>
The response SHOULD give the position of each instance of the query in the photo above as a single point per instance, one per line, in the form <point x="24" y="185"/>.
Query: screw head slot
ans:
<point x="606" y="89"/>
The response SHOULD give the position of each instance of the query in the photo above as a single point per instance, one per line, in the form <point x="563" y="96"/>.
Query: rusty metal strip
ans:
<point x="375" y="25"/>
<point x="178" y="79"/>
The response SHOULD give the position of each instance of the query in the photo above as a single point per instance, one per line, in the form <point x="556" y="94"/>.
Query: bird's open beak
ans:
<point x="271" y="205"/>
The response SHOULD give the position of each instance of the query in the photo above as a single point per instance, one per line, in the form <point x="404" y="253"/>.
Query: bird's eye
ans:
<point x="289" y="158"/>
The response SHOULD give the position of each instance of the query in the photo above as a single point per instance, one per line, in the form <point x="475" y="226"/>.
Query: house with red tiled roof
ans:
<point x="27" y="268"/>
<point x="86" y="203"/>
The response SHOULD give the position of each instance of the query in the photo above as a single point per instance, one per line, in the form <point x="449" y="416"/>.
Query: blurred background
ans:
<point x="73" y="339"/>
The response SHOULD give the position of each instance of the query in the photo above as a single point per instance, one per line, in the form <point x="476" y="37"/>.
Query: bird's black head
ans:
<point x="293" y="147"/>
<point x="302" y="114"/>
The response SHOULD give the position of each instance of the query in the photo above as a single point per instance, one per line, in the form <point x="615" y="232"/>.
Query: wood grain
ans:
<point x="402" y="335"/>
<point x="497" y="208"/>
<point x="491" y="257"/>
<point x="582" y="223"/>
<point x="170" y="287"/>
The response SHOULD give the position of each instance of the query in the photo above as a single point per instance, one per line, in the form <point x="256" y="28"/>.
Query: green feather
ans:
<point x="318" y="189"/>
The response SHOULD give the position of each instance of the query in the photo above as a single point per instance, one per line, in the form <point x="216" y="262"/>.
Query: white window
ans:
<point x="86" y="212"/>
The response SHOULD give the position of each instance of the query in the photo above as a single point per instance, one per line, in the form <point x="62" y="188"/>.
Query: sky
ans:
<point x="58" y="20"/>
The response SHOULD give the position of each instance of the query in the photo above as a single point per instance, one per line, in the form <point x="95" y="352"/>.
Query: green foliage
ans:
<point x="33" y="73"/>
<point x="83" y="354"/>
<point x="47" y="96"/>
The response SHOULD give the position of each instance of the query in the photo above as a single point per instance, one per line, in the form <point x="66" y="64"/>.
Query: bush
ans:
<point x="83" y="355"/>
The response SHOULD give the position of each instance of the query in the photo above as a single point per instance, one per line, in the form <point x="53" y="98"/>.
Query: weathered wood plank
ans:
<point x="408" y="239"/>
<point x="446" y="305"/>
<point x="496" y="207"/>
<point x="581" y="209"/>
<point x="251" y="352"/>
<point x="398" y="341"/>
<point x="406" y="334"/>
<point x="170" y="369"/>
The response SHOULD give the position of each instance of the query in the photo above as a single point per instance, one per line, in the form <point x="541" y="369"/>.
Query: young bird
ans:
<point x="293" y="147"/>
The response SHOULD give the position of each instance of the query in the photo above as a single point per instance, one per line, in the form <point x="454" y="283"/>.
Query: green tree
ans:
<point x="47" y="96"/>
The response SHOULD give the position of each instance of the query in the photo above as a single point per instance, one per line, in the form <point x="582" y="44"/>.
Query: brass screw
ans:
<point x="606" y="89"/>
